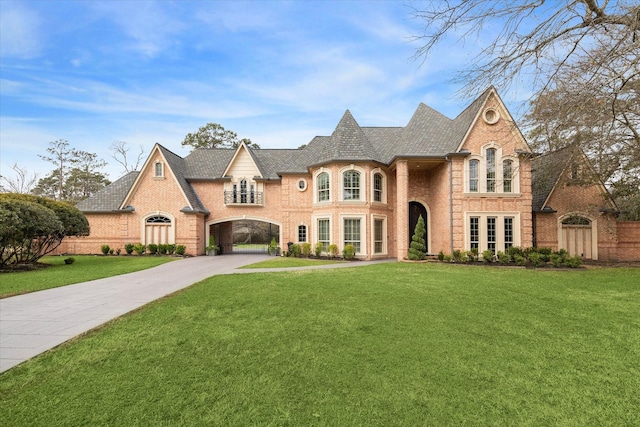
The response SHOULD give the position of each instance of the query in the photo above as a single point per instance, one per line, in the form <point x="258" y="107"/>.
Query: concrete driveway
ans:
<point x="33" y="323"/>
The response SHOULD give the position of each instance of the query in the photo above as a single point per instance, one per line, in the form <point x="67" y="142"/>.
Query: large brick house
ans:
<point x="469" y="178"/>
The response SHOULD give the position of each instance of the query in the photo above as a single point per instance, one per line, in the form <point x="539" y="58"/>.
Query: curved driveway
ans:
<point x="34" y="323"/>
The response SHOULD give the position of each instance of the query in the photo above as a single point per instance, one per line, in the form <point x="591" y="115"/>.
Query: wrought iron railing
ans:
<point x="251" y="198"/>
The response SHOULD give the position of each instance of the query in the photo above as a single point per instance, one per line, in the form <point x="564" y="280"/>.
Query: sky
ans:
<point x="276" y="72"/>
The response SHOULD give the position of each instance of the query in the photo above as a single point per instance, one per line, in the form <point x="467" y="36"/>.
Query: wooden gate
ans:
<point x="576" y="239"/>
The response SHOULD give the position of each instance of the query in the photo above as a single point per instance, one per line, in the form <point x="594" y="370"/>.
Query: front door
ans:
<point x="416" y="209"/>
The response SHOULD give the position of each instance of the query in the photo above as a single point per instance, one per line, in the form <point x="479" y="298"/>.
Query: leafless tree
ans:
<point x="120" y="153"/>
<point x="21" y="183"/>
<point x="534" y="37"/>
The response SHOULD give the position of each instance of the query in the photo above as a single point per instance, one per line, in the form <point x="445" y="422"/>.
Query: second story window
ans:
<point x="351" y="185"/>
<point x="158" y="170"/>
<point x="323" y="187"/>
<point x="491" y="170"/>
<point x="473" y="176"/>
<point x="507" y="175"/>
<point x="377" y="187"/>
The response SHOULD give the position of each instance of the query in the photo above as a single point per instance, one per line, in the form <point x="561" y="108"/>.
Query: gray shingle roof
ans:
<point x="428" y="134"/>
<point x="545" y="172"/>
<point x="179" y="169"/>
<point x="111" y="197"/>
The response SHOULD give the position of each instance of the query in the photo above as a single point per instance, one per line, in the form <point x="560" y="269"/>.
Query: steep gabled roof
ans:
<point x="179" y="169"/>
<point x="548" y="169"/>
<point x="110" y="198"/>
<point x="428" y="134"/>
<point x="348" y="142"/>
<point x="465" y="120"/>
<point x="545" y="173"/>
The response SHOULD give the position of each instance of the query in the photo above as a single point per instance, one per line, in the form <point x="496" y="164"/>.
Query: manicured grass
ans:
<point x="85" y="268"/>
<point x="283" y="262"/>
<point x="387" y="344"/>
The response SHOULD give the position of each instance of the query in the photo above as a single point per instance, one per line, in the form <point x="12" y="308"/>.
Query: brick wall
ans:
<point x="628" y="247"/>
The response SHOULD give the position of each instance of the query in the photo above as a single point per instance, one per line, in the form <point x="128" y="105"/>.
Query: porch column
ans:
<point x="402" y="209"/>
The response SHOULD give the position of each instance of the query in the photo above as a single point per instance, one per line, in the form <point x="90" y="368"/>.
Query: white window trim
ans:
<point x="302" y="224"/>
<point x="385" y="249"/>
<point x="594" y="231"/>
<point x="315" y="219"/>
<point x="171" y="237"/>
<point x="499" y="229"/>
<point x="315" y="187"/>
<point x="304" y="188"/>
<point x="383" y="200"/>
<point x="363" y="185"/>
<point x="482" y="174"/>
<point x="363" y="232"/>
<point x="155" y="169"/>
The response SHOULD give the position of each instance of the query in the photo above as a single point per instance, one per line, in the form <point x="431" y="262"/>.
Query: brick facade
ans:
<point x="430" y="167"/>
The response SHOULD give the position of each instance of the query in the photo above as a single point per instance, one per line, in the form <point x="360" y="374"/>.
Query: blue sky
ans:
<point x="279" y="73"/>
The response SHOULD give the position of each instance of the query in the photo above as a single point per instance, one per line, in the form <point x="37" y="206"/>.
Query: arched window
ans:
<point x="576" y="220"/>
<point x="158" y="228"/>
<point x="351" y="185"/>
<point x="491" y="170"/>
<point x="473" y="176"/>
<point x="507" y="175"/>
<point x="158" y="219"/>
<point x="323" y="187"/>
<point x="377" y="187"/>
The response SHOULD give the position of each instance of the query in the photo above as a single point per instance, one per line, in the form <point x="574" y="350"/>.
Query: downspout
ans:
<point x="450" y="203"/>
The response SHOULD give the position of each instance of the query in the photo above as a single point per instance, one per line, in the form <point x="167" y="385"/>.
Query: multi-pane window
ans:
<point x="377" y="187"/>
<point x="352" y="233"/>
<point x="473" y="176"/>
<point x="323" y="187"/>
<point x="491" y="170"/>
<point x="491" y="234"/>
<point x="243" y="191"/>
<point x="302" y="233"/>
<point x="324" y="235"/>
<point x="351" y="185"/>
<point x="492" y="231"/>
<point x="474" y="228"/>
<point x="508" y="232"/>
<point x="378" y="236"/>
<point x="158" y="169"/>
<point x="507" y="175"/>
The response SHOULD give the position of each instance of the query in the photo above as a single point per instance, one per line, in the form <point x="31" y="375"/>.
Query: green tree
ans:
<point x="24" y="228"/>
<point x="418" y="247"/>
<point x="76" y="176"/>
<point x="213" y="135"/>
<point x="34" y="226"/>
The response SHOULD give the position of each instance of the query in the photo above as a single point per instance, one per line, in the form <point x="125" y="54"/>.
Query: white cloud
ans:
<point x="19" y="31"/>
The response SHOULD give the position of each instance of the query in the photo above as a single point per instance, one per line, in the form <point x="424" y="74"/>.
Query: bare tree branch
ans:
<point x="21" y="183"/>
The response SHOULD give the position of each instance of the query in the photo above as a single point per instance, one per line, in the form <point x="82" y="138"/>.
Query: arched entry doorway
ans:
<point x="417" y="209"/>
<point x="244" y="235"/>
<point x="577" y="236"/>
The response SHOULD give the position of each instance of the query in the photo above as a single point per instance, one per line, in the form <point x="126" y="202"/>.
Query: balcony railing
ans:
<point x="250" y="198"/>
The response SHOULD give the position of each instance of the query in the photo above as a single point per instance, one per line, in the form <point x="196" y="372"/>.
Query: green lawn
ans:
<point x="85" y="268"/>
<point x="284" y="262"/>
<point x="384" y="345"/>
